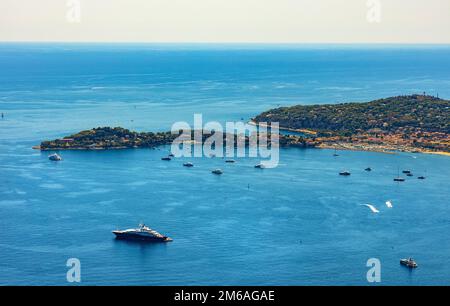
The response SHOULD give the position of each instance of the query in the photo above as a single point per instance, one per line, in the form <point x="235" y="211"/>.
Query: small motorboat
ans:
<point x="421" y="177"/>
<point x="166" y="158"/>
<point x="188" y="164"/>
<point x="409" y="174"/>
<point x="368" y="169"/>
<point x="171" y="155"/>
<point x="217" y="171"/>
<point x="406" y="171"/>
<point x="345" y="173"/>
<point x="259" y="166"/>
<point x="54" y="157"/>
<point x="230" y="161"/>
<point x="410" y="263"/>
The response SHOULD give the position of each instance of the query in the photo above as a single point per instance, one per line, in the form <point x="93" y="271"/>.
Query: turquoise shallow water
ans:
<point x="299" y="223"/>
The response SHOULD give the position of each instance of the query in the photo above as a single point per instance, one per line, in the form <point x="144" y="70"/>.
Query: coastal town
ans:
<point x="417" y="142"/>
<point x="416" y="124"/>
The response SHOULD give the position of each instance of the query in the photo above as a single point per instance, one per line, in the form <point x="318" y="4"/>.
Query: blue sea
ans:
<point x="298" y="224"/>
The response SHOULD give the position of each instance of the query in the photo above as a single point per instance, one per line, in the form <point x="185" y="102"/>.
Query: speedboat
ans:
<point x="260" y="166"/>
<point x="142" y="233"/>
<point x="409" y="174"/>
<point x="406" y="171"/>
<point x="217" y="171"/>
<point x="230" y="161"/>
<point x="166" y="158"/>
<point x="410" y="263"/>
<point x="54" y="157"/>
<point x="368" y="169"/>
<point x="188" y="164"/>
<point x="421" y="177"/>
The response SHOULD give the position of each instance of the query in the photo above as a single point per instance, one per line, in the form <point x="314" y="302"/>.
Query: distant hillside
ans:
<point x="404" y="113"/>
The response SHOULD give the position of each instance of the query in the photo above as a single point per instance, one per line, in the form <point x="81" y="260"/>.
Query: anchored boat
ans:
<point x="335" y="153"/>
<point x="345" y="173"/>
<point x="410" y="263"/>
<point x="55" y="157"/>
<point x="399" y="178"/>
<point x="142" y="233"/>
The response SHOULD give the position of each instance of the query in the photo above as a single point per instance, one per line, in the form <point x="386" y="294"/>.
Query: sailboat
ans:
<point x="398" y="178"/>
<point x="422" y="177"/>
<point x="335" y="152"/>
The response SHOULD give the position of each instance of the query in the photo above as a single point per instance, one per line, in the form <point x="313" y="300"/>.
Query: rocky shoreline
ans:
<point x="107" y="138"/>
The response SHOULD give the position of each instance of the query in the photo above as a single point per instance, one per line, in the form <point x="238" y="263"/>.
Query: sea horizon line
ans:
<point x="237" y="45"/>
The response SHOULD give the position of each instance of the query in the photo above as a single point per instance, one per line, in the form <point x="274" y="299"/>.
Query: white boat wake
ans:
<point x="389" y="204"/>
<point x="372" y="208"/>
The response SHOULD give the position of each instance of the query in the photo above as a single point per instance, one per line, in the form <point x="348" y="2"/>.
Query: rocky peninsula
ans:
<point x="104" y="138"/>
<point x="415" y="123"/>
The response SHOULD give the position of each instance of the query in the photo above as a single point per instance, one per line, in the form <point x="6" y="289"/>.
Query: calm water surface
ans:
<point x="297" y="224"/>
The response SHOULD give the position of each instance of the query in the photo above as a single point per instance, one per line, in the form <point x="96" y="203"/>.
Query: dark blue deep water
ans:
<point x="299" y="223"/>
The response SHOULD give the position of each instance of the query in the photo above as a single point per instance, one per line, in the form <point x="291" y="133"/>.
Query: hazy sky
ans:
<point x="294" y="21"/>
